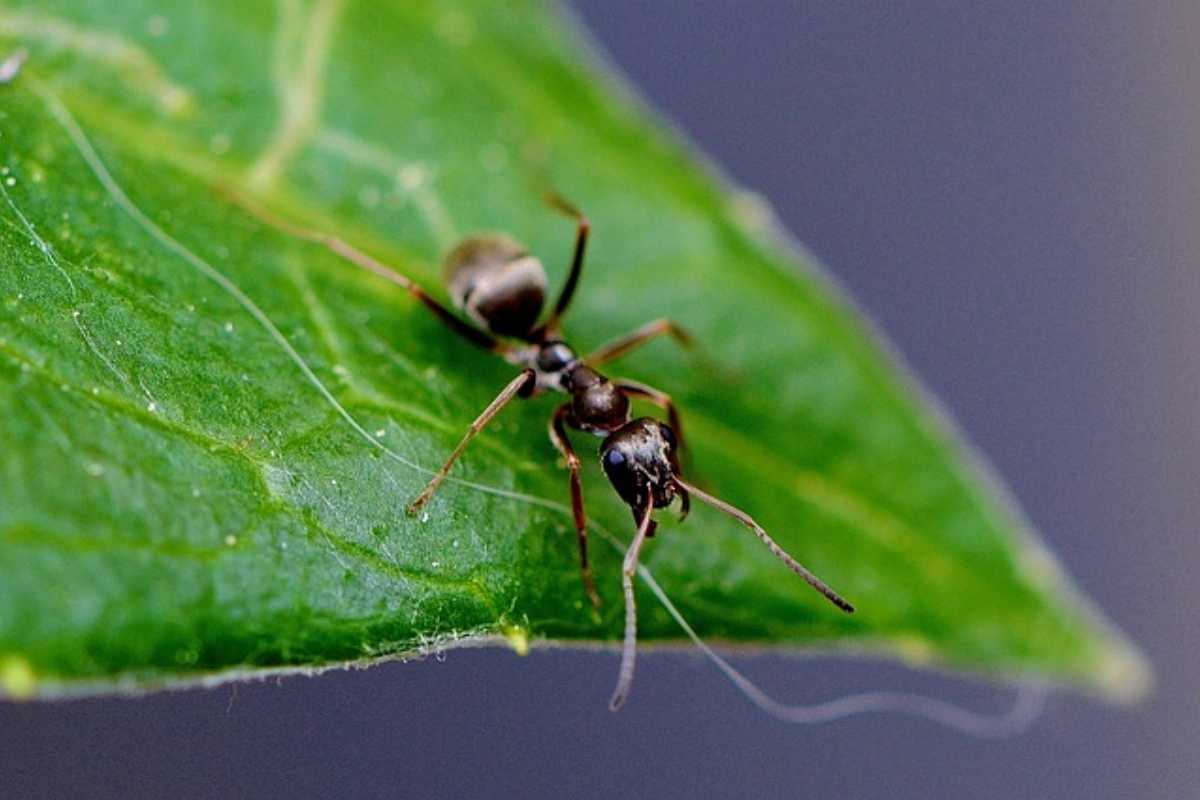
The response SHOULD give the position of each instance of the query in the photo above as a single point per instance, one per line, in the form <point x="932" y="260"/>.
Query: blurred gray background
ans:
<point x="1012" y="192"/>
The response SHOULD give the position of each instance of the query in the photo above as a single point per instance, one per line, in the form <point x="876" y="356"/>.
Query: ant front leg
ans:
<point x="635" y="339"/>
<point x="558" y="435"/>
<point x="520" y="384"/>
<point x="357" y="257"/>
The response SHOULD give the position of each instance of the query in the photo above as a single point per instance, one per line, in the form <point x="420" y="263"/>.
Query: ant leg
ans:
<point x="635" y="339"/>
<point x="558" y="435"/>
<point x="583" y="227"/>
<point x="629" y="570"/>
<point x="660" y="399"/>
<point x="522" y="382"/>
<point x="357" y="257"/>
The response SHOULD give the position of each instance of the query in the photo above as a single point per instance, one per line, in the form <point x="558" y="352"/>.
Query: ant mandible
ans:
<point x="501" y="287"/>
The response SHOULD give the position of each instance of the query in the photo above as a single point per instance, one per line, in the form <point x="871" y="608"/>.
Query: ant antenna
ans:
<point x="744" y="518"/>
<point x="1028" y="706"/>
<point x="1030" y="701"/>
<point x="629" y="649"/>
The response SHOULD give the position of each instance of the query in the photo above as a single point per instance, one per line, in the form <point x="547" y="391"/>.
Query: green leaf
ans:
<point x="209" y="427"/>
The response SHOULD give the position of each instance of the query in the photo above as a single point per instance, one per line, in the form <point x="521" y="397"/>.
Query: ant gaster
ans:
<point x="501" y="287"/>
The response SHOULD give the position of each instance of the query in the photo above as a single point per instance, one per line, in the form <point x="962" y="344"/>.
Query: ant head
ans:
<point x="641" y="456"/>
<point x="497" y="283"/>
<point x="598" y="405"/>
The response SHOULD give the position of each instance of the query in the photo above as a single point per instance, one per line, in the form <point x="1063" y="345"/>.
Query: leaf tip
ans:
<point x="1123" y="674"/>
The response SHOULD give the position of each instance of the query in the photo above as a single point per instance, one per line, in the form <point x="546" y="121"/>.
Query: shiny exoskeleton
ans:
<point x="501" y="287"/>
<point x="641" y="461"/>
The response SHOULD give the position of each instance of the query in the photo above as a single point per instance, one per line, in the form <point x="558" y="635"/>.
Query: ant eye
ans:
<point x="613" y="459"/>
<point x="668" y="435"/>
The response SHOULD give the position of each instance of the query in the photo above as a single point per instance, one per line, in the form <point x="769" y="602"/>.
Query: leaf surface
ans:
<point x="209" y="429"/>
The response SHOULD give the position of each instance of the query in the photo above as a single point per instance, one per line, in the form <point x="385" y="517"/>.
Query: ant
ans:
<point x="501" y="287"/>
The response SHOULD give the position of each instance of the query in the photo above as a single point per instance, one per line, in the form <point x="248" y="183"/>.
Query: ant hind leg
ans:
<point x="582" y="229"/>
<point x="363" y="260"/>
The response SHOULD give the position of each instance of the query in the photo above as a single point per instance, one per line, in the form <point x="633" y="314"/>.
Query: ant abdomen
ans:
<point x="496" y="282"/>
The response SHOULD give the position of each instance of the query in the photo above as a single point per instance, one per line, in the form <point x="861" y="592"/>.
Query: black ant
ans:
<point x="501" y="287"/>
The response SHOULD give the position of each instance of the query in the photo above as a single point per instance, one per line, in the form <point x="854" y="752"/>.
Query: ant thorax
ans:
<point x="598" y="406"/>
<point x="551" y="361"/>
